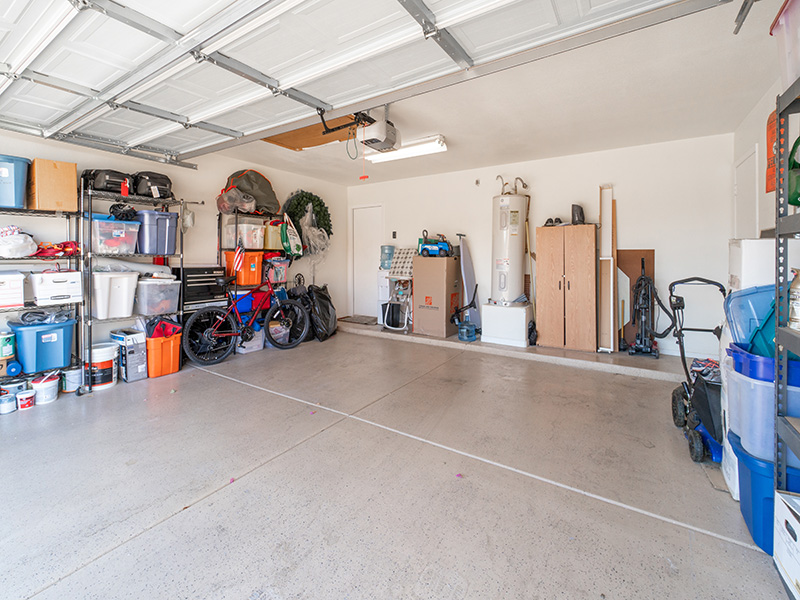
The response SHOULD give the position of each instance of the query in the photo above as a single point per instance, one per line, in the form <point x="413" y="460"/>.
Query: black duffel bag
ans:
<point x="155" y="185"/>
<point x="323" y="313"/>
<point x="107" y="180"/>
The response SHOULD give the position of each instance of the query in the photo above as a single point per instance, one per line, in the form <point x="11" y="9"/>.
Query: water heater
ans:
<point x="509" y="212"/>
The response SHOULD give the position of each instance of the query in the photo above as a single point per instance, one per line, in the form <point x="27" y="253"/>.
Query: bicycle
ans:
<point x="210" y="334"/>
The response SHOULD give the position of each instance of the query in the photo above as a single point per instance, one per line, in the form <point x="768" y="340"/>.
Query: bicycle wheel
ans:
<point x="201" y="344"/>
<point x="294" y="321"/>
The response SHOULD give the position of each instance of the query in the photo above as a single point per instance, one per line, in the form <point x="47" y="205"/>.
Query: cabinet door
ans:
<point x="550" y="285"/>
<point x="580" y="272"/>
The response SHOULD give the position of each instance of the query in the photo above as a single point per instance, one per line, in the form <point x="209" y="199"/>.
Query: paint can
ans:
<point x="12" y="386"/>
<point x="46" y="388"/>
<point x="25" y="399"/>
<point x="104" y="365"/>
<point x="71" y="380"/>
<point x="6" y="344"/>
<point x="8" y="402"/>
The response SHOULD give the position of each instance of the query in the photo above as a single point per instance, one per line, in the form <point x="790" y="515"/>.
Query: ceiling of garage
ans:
<point x="173" y="81"/>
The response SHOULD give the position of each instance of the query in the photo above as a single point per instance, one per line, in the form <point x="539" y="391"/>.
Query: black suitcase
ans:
<point x="155" y="185"/>
<point x="106" y="180"/>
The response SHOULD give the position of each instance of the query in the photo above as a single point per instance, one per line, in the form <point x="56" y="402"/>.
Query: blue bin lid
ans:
<point x="40" y="326"/>
<point x="8" y="158"/>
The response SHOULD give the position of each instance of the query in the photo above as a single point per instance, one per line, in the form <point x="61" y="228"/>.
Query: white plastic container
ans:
<point x="786" y="29"/>
<point x="12" y="289"/>
<point x="751" y="414"/>
<point x="56" y="287"/>
<point x="252" y="236"/>
<point x="26" y="399"/>
<point x="8" y="402"/>
<point x="113" y="294"/>
<point x="730" y="464"/>
<point x="46" y="388"/>
<point x="157" y="296"/>
<point x="71" y="380"/>
<point x="114" y="237"/>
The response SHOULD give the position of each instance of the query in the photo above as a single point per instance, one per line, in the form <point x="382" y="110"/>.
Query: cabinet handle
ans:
<point x="559" y="286"/>
<point x="568" y="285"/>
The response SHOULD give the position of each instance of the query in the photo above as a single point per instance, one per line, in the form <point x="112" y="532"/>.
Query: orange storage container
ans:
<point x="163" y="355"/>
<point x="251" y="269"/>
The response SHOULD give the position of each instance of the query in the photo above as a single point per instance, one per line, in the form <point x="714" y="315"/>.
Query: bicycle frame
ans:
<point x="265" y="300"/>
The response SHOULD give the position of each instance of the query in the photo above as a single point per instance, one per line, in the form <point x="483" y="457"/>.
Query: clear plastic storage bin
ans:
<point x="157" y="296"/>
<point x="252" y="236"/>
<point x="113" y="294"/>
<point x="113" y="237"/>
<point x="751" y="414"/>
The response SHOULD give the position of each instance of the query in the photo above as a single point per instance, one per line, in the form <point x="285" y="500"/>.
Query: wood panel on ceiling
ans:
<point x="630" y="263"/>
<point x="313" y="135"/>
<point x="550" y="286"/>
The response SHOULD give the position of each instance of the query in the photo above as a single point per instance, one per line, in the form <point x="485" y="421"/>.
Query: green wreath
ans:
<point x="295" y="207"/>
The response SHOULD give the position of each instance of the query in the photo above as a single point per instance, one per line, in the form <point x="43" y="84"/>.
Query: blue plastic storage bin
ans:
<point x="243" y="304"/>
<point x="747" y="310"/>
<point x="759" y="367"/>
<point x="756" y="493"/>
<point x="44" y="347"/>
<point x="13" y="180"/>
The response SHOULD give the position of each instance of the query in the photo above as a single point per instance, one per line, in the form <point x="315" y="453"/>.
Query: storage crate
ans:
<point x="13" y="181"/>
<point x="760" y="367"/>
<point x="244" y="303"/>
<point x="747" y="310"/>
<point x="786" y="29"/>
<point x="756" y="493"/>
<point x="12" y="289"/>
<point x="132" y="353"/>
<point x="254" y="345"/>
<point x="279" y="272"/>
<point x="751" y="414"/>
<point x="252" y="236"/>
<point x="157" y="232"/>
<point x="113" y="294"/>
<point x="251" y="269"/>
<point x="44" y="347"/>
<point x="56" y="287"/>
<point x="157" y="296"/>
<point x="110" y="236"/>
<point x="163" y="355"/>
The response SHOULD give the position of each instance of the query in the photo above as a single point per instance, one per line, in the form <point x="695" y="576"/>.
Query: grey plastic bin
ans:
<point x="157" y="231"/>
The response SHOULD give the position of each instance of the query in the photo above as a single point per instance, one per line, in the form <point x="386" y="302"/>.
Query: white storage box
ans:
<point x="113" y="294"/>
<point x="114" y="237"/>
<point x="254" y="345"/>
<point x="12" y="289"/>
<point x="751" y="414"/>
<point x="157" y="296"/>
<point x="730" y="464"/>
<point x="56" y="287"/>
<point x="132" y="353"/>
<point x="252" y="236"/>
<point x="507" y="325"/>
<point x="786" y="29"/>
<point x="786" y="545"/>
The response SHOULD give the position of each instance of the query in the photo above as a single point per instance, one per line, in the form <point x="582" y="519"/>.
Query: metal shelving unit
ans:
<point x="87" y="198"/>
<point x="72" y="233"/>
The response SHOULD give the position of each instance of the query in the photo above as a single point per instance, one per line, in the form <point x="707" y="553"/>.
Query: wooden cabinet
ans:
<point x="566" y="287"/>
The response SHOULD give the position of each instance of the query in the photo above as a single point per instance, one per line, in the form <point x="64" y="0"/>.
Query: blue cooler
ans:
<point x="44" y="347"/>
<point x="13" y="181"/>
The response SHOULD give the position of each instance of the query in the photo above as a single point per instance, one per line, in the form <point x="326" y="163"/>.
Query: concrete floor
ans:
<point x="366" y="468"/>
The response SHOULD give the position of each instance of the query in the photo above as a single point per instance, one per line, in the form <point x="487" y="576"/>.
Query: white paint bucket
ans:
<point x="25" y="399"/>
<point x="46" y="388"/>
<point x="6" y="344"/>
<point x="8" y="402"/>
<point x="12" y="386"/>
<point x="71" y="379"/>
<point x="104" y="365"/>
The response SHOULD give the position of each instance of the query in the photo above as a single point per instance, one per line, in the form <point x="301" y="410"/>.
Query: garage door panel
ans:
<point x="32" y="103"/>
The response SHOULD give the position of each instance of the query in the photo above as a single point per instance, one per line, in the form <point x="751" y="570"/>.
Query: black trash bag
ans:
<point x="323" y="313"/>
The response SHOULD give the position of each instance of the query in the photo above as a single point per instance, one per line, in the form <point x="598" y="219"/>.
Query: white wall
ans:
<point x="202" y="184"/>
<point x="674" y="197"/>
<point x="751" y="131"/>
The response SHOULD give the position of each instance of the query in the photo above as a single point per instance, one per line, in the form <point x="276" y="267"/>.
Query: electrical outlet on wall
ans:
<point x="394" y="235"/>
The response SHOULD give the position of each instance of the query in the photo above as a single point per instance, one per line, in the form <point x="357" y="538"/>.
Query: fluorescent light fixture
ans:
<point x="429" y="145"/>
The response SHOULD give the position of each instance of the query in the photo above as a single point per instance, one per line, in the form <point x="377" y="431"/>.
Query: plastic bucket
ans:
<point x="12" y="386"/>
<point x="6" y="344"/>
<point x="105" y="360"/>
<point x="71" y="380"/>
<point x="46" y="388"/>
<point x="25" y="399"/>
<point x="8" y="402"/>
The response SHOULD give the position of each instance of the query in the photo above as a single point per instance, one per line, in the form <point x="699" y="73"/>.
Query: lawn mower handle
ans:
<point x="716" y="284"/>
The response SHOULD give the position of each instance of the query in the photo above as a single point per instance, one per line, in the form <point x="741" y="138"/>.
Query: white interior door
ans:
<point x="745" y="220"/>
<point x="367" y="240"/>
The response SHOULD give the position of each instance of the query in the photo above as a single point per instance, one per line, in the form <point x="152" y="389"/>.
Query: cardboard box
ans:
<point x="53" y="185"/>
<point x="437" y="294"/>
<point x="132" y="353"/>
<point x="786" y="547"/>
